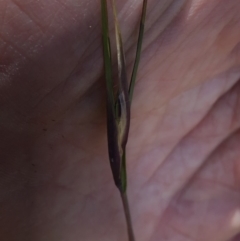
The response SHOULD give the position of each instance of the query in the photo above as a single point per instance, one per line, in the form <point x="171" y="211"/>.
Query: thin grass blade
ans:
<point x="138" y="52"/>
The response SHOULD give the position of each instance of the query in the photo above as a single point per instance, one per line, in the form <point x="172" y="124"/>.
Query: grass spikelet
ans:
<point x="118" y="105"/>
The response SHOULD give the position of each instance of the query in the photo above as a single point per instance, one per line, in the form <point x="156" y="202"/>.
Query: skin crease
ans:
<point x="183" y="150"/>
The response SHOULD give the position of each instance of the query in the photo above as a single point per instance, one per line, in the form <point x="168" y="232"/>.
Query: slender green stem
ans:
<point x="124" y="172"/>
<point x="138" y="52"/>
<point x="107" y="52"/>
<point x="127" y="216"/>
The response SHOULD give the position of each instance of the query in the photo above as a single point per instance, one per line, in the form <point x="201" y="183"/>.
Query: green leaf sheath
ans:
<point x="123" y="100"/>
<point x="112" y="129"/>
<point x="122" y="73"/>
<point x="138" y="52"/>
<point x="118" y="111"/>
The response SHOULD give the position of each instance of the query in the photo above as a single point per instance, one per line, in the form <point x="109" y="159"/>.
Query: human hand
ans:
<point x="183" y="150"/>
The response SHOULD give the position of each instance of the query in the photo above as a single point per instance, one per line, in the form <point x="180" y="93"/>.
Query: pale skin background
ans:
<point x="184" y="147"/>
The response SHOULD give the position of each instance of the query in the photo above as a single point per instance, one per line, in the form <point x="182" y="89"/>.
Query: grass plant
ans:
<point x="119" y="101"/>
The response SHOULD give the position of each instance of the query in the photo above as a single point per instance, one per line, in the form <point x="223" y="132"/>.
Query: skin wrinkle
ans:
<point x="159" y="35"/>
<point x="15" y="44"/>
<point x="197" y="201"/>
<point x="46" y="95"/>
<point x="199" y="94"/>
<point x="222" y="93"/>
<point x="216" y="183"/>
<point x="183" y="41"/>
<point x="181" y="233"/>
<point x="194" y="62"/>
<point x="236" y="53"/>
<point x="72" y="73"/>
<point x="201" y="163"/>
<point x="53" y="20"/>
<point x="34" y="17"/>
<point x="41" y="28"/>
<point x="234" y="44"/>
<point x="179" y="195"/>
<point x="235" y="113"/>
<point x="235" y="129"/>
<point x="54" y="17"/>
<point x="66" y="7"/>
<point x="221" y="43"/>
<point x="177" y="92"/>
<point x="163" y="7"/>
<point x="83" y="58"/>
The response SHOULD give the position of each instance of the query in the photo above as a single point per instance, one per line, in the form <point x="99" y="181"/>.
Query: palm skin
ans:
<point x="183" y="149"/>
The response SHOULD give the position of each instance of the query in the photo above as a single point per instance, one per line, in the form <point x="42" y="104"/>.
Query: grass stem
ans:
<point x="127" y="216"/>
